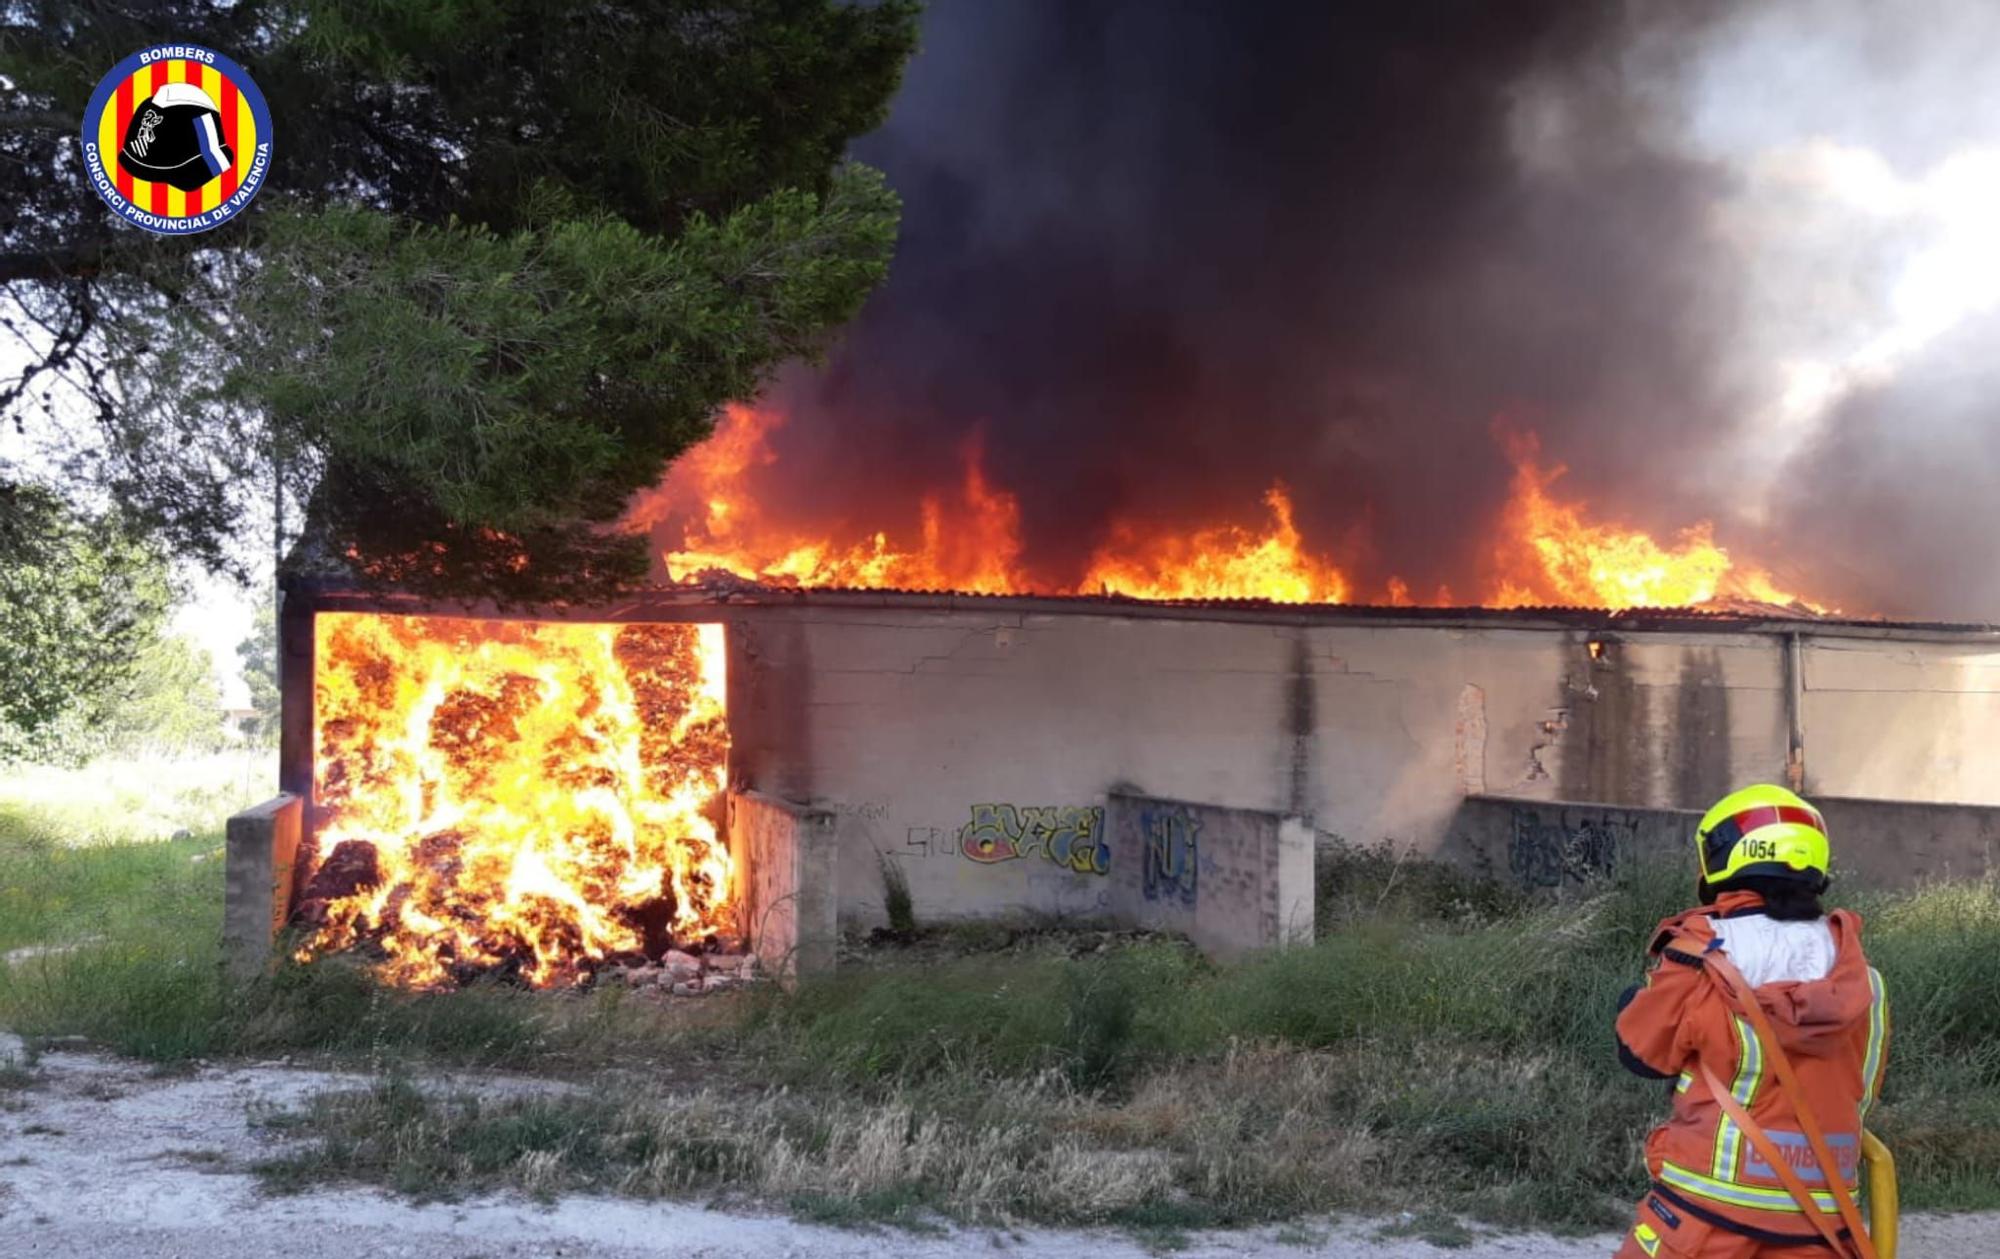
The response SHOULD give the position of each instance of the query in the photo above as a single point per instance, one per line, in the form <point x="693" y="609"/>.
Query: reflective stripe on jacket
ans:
<point x="1835" y="1031"/>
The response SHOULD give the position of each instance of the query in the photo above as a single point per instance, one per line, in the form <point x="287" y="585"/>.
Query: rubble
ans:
<point x="680" y="974"/>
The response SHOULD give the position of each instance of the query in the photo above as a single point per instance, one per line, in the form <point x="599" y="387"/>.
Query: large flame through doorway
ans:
<point x="527" y="799"/>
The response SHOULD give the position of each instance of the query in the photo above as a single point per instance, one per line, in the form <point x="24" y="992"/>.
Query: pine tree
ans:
<point x="510" y="257"/>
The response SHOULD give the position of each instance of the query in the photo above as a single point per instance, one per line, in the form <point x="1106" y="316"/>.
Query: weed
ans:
<point x="216" y="1159"/>
<point x="1162" y="1224"/>
<point x="1438" y="1228"/>
<point x="899" y="1207"/>
<point x="1352" y="882"/>
<point x="1300" y="1235"/>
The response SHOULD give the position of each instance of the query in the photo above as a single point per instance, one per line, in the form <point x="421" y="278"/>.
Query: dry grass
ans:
<point x="1241" y="1139"/>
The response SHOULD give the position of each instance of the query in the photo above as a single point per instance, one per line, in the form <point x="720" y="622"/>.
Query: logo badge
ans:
<point x="177" y="139"/>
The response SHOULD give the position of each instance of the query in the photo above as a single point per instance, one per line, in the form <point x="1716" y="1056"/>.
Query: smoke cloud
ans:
<point x="1159" y="254"/>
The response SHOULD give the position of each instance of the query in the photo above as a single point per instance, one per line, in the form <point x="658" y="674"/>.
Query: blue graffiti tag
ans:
<point x="1172" y="856"/>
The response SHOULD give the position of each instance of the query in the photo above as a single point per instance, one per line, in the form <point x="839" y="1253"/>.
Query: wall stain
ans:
<point x="1608" y="757"/>
<point x="1699" y="746"/>
<point x="1301" y="717"/>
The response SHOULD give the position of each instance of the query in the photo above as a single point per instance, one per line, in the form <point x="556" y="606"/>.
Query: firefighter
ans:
<point x="1760" y="950"/>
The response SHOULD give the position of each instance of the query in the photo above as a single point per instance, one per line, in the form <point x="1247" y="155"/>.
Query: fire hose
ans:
<point x="1878" y="1183"/>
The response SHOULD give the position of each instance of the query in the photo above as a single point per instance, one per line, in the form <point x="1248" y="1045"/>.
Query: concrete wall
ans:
<point x="978" y="748"/>
<point x="784" y="854"/>
<point x="1896" y="720"/>
<point x="1550" y="845"/>
<point x="1231" y="880"/>
<point x="1892" y="843"/>
<point x="259" y="872"/>
<point x="975" y="744"/>
<point x="1876" y="843"/>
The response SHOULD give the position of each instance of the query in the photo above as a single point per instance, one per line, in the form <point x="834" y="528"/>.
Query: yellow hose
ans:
<point x="1878" y="1177"/>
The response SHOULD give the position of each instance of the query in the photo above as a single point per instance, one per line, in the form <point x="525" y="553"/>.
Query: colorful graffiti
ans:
<point x="1070" y="836"/>
<point x="1170" y="847"/>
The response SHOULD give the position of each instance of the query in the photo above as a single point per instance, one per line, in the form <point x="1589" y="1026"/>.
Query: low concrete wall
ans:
<point x="1232" y="880"/>
<point x="1540" y="844"/>
<point x="1894" y="843"/>
<point x="784" y="855"/>
<point x="259" y="871"/>
<point x="1876" y="843"/>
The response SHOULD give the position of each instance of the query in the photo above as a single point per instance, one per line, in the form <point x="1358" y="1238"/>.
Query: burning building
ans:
<point x="1165" y="735"/>
<point x="708" y="767"/>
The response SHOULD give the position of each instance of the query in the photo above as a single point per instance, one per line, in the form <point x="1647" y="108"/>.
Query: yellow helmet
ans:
<point x="1762" y="831"/>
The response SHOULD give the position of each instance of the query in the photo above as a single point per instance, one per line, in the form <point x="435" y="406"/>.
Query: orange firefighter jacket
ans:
<point x="1835" y="1032"/>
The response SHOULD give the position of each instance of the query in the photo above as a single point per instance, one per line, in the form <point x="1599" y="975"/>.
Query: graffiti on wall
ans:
<point x="1575" y="847"/>
<point x="1171" y="853"/>
<point x="1069" y="836"/>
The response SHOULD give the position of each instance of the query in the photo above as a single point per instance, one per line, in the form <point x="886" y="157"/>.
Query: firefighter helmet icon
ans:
<point x="175" y="137"/>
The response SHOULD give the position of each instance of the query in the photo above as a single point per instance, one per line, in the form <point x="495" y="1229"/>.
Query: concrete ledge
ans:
<point x="788" y="894"/>
<point x="1876" y="843"/>
<point x="1231" y="880"/>
<point x="1894" y="843"/>
<point x="263" y="846"/>
<point x="1553" y="844"/>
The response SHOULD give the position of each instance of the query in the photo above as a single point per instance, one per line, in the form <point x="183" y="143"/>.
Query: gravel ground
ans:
<point x="100" y="1159"/>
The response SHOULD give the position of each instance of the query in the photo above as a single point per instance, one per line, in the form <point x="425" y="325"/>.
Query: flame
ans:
<point x="1552" y="553"/>
<point x="538" y="796"/>
<point x="1550" y="550"/>
<point x="1220" y="562"/>
<point x="969" y="540"/>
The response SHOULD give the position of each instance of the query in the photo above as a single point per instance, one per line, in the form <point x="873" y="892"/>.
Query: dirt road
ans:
<point x="100" y="1159"/>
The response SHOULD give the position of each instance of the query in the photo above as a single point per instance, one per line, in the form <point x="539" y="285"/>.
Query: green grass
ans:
<point x="1445" y="1048"/>
<point x="132" y="799"/>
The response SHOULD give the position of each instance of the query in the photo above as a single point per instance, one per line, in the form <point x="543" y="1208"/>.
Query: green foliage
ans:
<point x="1352" y="882"/>
<point x="541" y="376"/>
<point x="257" y="656"/>
<point x="81" y="603"/>
<point x="511" y="258"/>
<point x="172" y="703"/>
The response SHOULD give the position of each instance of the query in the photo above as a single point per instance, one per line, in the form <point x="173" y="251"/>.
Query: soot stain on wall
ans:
<point x="1698" y="742"/>
<point x="1301" y="719"/>
<point x="1608" y="760"/>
